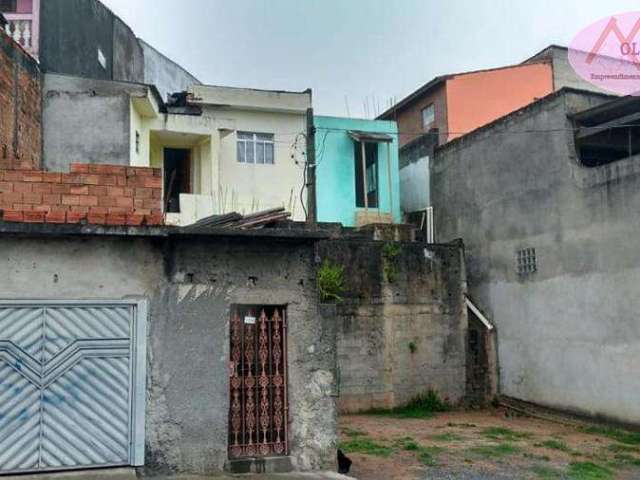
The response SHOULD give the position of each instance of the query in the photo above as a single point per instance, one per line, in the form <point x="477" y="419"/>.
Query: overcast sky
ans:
<point x="351" y="51"/>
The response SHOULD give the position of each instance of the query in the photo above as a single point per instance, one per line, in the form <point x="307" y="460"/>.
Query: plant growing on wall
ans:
<point x="330" y="282"/>
<point x="390" y="253"/>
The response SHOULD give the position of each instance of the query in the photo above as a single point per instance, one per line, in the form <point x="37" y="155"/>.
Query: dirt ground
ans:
<point x="485" y="445"/>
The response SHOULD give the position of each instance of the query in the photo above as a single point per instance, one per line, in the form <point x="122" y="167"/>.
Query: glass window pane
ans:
<point x="245" y="136"/>
<point x="268" y="153"/>
<point x="241" y="154"/>
<point x="265" y="137"/>
<point x="259" y="152"/>
<point x="250" y="152"/>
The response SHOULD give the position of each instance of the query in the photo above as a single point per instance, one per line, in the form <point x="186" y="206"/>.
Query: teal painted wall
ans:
<point x="335" y="175"/>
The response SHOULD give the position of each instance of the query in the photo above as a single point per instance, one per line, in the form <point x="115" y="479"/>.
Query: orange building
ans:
<point x="453" y="105"/>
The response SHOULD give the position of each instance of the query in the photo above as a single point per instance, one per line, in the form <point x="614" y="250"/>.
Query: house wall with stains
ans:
<point x="191" y="284"/>
<point x="402" y="322"/>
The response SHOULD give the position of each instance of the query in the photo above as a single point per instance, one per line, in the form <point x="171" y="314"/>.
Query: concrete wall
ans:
<point x="164" y="73"/>
<point x="191" y="284"/>
<point x="378" y="320"/>
<point x="336" y="172"/>
<point x="20" y="107"/>
<point x="568" y="335"/>
<point x="72" y="31"/>
<point x="86" y="121"/>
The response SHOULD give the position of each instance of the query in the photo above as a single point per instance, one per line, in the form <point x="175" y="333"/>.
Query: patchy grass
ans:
<point x="589" y="471"/>
<point x="554" y="444"/>
<point x="533" y="456"/>
<point x="495" y="451"/>
<point x="546" y="473"/>
<point x="366" y="446"/>
<point x="422" y="406"/>
<point x="619" y="435"/>
<point x="447" y="437"/>
<point x="427" y="455"/>
<point x="504" y="434"/>
<point x="623" y="460"/>
<point x="406" y="443"/>
<point x="620" y="448"/>
<point x="352" y="432"/>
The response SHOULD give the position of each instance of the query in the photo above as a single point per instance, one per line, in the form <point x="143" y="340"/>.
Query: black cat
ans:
<point x="344" y="463"/>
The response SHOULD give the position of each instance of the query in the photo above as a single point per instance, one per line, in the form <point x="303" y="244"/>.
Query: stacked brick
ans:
<point x="20" y="107"/>
<point x="93" y="194"/>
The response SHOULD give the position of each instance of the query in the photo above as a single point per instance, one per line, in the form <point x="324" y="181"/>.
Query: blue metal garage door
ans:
<point x="71" y="385"/>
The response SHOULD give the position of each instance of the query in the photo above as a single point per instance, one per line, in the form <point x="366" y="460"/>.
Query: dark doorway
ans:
<point x="371" y="154"/>
<point x="177" y="176"/>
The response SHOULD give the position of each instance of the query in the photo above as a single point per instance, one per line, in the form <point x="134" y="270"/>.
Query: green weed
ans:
<point x="554" y="444"/>
<point x="589" y="471"/>
<point x="422" y="406"/>
<point x="366" y="446"/>
<point x="330" y="280"/>
<point x="619" y="435"/>
<point x="546" y="473"/>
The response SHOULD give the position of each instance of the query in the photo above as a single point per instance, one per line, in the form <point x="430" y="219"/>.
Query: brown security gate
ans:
<point x="258" y="369"/>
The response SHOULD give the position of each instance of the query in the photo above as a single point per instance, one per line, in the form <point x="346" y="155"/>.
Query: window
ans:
<point x="8" y="6"/>
<point x="256" y="148"/>
<point x="428" y="116"/>
<point x="526" y="262"/>
<point x="137" y="142"/>
<point x="371" y="173"/>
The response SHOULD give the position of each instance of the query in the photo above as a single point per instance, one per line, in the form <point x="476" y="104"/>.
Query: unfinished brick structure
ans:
<point x="96" y="194"/>
<point x="20" y="107"/>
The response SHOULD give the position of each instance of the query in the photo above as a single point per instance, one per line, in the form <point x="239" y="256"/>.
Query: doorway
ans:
<point x="258" y="412"/>
<point x="177" y="176"/>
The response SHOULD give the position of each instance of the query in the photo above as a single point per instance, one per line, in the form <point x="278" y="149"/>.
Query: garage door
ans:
<point x="71" y="385"/>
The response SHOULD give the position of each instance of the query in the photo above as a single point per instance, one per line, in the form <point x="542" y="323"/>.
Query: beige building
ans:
<point x="224" y="149"/>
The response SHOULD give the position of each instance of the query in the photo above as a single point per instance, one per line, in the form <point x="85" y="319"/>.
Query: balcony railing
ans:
<point x="20" y="27"/>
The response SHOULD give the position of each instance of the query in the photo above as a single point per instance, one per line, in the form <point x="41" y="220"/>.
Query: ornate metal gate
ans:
<point x="68" y="385"/>
<point x="258" y="414"/>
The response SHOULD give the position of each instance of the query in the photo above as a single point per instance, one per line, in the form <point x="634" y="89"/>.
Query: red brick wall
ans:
<point x="20" y="107"/>
<point x="95" y="194"/>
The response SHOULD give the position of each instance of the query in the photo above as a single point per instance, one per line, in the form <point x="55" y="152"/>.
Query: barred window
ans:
<point x="526" y="262"/>
<point x="256" y="148"/>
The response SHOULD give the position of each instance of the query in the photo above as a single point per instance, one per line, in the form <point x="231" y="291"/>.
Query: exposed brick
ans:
<point x="19" y="187"/>
<point x="99" y="210"/>
<point x="42" y="188"/>
<point x="152" y="203"/>
<point x="152" y="182"/>
<point x="70" y="200"/>
<point x="119" y="210"/>
<point x="6" y="187"/>
<point x="116" y="219"/>
<point x="157" y="193"/>
<point x="107" y="201"/>
<point x="41" y="208"/>
<point x="91" y="179"/>
<point x="157" y="172"/>
<point x="124" y="202"/>
<point x="78" y="209"/>
<point x="12" y="176"/>
<point x="98" y="191"/>
<point x="51" y="177"/>
<point x="75" y="217"/>
<point x="142" y="211"/>
<point x="34" y="198"/>
<point x="76" y="178"/>
<point x="34" y="217"/>
<point x="32" y="177"/>
<point x="22" y="207"/>
<point x="56" y="217"/>
<point x="144" y="172"/>
<point x="135" y="219"/>
<point x="79" y="168"/>
<point x="51" y="199"/>
<point x="144" y="193"/>
<point x="11" y="197"/>
<point x="128" y="191"/>
<point x="60" y="188"/>
<point x="97" y="218"/>
<point x="138" y="203"/>
<point x="115" y="191"/>
<point x="109" y="180"/>
<point x="154" y="219"/>
<point x="79" y="190"/>
<point x="12" y="216"/>
<point x="121" y="181"/>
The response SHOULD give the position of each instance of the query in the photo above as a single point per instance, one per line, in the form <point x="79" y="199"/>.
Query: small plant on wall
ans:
<point x="390" y="254"/>
<point x="330" y="282"/>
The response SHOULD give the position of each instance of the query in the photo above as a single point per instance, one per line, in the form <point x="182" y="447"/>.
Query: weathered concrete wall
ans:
<point x="380" y="323"/>
<point x="191" y="284"/>
<point x="164" y="73"/>
<point x="20" y="107"/>
<point x="568" y="335"/>
<point x="72" y="31"/>
<point x="86" y="121"/>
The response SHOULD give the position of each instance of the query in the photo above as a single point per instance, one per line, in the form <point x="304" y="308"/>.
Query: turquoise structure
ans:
<point x="337" y="144"/>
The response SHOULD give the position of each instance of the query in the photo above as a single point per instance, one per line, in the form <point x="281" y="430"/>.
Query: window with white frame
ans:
<point x="256" y="148"/>
<point x="428" y="115"/>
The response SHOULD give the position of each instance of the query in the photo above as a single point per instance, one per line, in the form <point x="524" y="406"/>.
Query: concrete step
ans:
<point x="102" y="474"/>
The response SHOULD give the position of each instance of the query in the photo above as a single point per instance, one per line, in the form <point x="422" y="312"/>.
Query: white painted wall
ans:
<point x="414" y="186"/>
